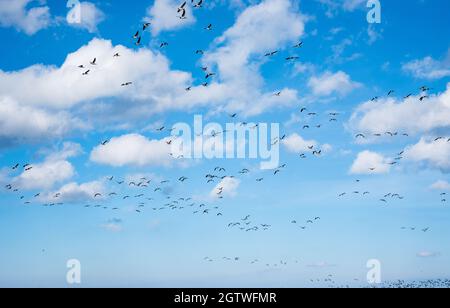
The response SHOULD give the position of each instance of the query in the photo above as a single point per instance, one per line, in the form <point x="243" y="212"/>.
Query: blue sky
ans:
<point x="55" y="118"/>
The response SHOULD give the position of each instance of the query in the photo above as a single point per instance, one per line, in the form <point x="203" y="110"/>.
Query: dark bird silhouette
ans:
<point x="145" y="26"/>
<point x="270" y="54"/>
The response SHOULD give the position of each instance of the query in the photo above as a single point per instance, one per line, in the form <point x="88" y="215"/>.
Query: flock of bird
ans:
<point x="156" y="195"/>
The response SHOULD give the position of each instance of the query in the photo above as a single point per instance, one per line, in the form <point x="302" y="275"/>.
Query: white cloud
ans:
<point x="334" y="6"/>
<point x="372" y="34"/>
<point x="321" y="264"/>
<point x="330" y="83"/>
<point x="113" y="225"/>
<point x="404" y="116"/>
<point x="296" y="144"/>
<point x="234" y="54"/>
<point x="228" y="188"/>
<point x="435" y="154"/>
<point x="89" y="16"/>
<point x="351" y="5"/>
<point x="76" y="193"/>
<point x="54" y="169"/>
<point x="65" y="86"/>
<point x="429" y="68"/>
<point x="15" y="13"/>
<point x="49" y="93"/>
<point x="427" y="254"/>
<point x="367" y="160"/>
<point x="27" y="123"/>
<point x="132" y="150"/>
<point x="163" y="16"/>
<point x="441" y="185"/>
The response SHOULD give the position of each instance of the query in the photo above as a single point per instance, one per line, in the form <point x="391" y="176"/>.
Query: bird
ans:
<point x="138" y="42"/>
<point x="126" y="84"/>
<point x="94" y="62"/>
<point x="199" y="4"/>
<point x="209" y="27"/>
<point x="86" y="72"/>
<point x="182" y="6"/>
<point x="209" y="75"/>
<point x="270" y="54"/>
<point x="298" y="45"/>
<point x="145" y="26"/>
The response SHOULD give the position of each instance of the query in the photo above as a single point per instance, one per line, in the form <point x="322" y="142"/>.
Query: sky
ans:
<point x="88" y="171"/>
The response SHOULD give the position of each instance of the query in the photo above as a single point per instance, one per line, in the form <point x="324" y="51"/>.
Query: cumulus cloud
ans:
<point x="441" y="185"/>
<point x="76" y="193"/>
<point x="27" y="123"/>
<point x="52" y="93"/>
<point x="89" y="16"/>
<point x="428" y="68"/>
<point x="233" y="54"/>
<point x="61" y="100"/>
<point x="54" y="169"/>
<point x="403" y="115"/>
<point x="64" y="87"/>
<point x="332" y="83"/>
<point x="132" y="150"/>
<point x="162" y="15"/>
<point x="368" y="162"/>
<point x="296" y="144"/>
<point x="19" y="15"/>
<point x="435" y="154"/>
<point x="226" y="188"/>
